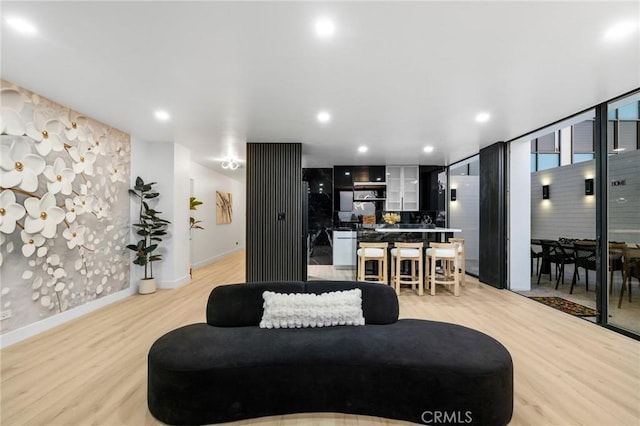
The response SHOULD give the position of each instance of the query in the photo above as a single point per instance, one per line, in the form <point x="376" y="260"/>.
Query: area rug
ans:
<point x="566" y="306"/>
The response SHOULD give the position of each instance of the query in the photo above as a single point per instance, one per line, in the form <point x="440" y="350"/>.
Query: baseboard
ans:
<point x="175" y="283"/>
<point x="517" y="286"/>
<point x="15" y="336"/>
<point x="210" y="260"/>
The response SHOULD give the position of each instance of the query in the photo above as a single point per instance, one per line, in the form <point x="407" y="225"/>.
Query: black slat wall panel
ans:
<point x="274" y="178"/>
<point x="493" y="232"/>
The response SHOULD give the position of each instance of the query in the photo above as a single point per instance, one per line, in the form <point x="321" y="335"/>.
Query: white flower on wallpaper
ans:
<point x="20" y="168"/>
<point x="30" y="243"/>
<point x="60" y="177"/>
<point x="64" y="207"/>
<point x="10" y="212"/>
<point x="43" y="216"/>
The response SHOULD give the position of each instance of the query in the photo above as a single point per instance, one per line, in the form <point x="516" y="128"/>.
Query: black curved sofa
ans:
<point x="229" y="369"/>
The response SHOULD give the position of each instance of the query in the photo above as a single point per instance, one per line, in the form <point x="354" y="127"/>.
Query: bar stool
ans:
<point x="462" y="260"/>
<point x="447" y="254"/>
<point x="375" y="252"/>
<point x="411" y="252"/>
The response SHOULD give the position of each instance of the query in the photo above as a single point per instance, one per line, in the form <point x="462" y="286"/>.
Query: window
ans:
<point x="548" y="161"/>
<point x="583" y="141"/>
<point x="627" y="135"/>
<point x="623" y="132"/>
<point x="545" y="152"/>
<point x="628" y="112"/>
<point x="579" y="158"/>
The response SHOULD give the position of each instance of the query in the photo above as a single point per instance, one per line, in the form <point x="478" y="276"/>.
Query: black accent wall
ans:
<point x="276" y="244"/>
<point x="432" y="198"/>
<point x="493" y="229"/>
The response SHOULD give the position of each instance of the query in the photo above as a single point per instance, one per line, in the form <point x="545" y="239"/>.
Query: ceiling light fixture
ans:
<point x="323" y="117"/>
<point x="162" y="115"/>
<point x="428" y="149"/>
<point x="483" y="117"/>
<point x="620" y="31"/>
<point x="230" y="164"/>
<point x="325" y="28"/>
<point x="21" y="25"/>
<point x="362" y="148"/>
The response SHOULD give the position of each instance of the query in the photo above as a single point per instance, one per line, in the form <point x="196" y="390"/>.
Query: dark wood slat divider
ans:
<point x="275" y="244"/>
<point x="493" y="229"/>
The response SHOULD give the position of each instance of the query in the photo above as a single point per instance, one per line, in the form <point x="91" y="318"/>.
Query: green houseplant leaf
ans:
<point x="150" y="227"/>
<point x="193" y="205"/>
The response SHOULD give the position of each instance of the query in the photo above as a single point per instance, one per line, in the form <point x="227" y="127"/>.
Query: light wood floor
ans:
<point x="92" y="371"/>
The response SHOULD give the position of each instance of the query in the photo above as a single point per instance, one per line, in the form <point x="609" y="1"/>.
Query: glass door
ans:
<point x="464" y="208"/>
<point x="622" y="253"/>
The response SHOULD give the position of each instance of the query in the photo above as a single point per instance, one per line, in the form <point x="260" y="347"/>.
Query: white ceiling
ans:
<point x="395" y="76"/>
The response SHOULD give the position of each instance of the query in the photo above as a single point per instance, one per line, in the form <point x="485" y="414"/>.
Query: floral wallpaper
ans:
<point x="64" y="208"/>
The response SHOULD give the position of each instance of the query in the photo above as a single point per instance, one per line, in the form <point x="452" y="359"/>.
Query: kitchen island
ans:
<point x="405" y="233"/>
<point x="345" y="242"/>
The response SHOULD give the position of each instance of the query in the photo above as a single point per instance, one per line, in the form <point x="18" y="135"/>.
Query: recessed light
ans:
<point x="483" y="117"/>
<point x="362" y="148"/>
<point x="325" y="28"/>
<point x="620" y="30"/>
<point x="428" y="149"/>
<point x="347" y="173"/>
<point x="21" y="25"/>
<point x="162" y="115"/>
<point x="323" y="117"/>
<point x="321" y="184"/>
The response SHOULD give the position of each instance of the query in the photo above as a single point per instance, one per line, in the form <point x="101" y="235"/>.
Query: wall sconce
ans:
<point x="454" y="195"/>
<point x="588" y="187"/>
<point x="546" y="193"/>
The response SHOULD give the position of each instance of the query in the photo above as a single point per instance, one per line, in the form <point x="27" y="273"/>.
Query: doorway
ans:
<point x="580" y="242"/>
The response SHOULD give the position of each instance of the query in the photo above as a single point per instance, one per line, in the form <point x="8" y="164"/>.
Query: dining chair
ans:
<point x="536" y="253"/>
<point x="631" y="269"/>
<point x="550" y="254"/>
<point x="617" y="257"/>
<point x="585" y="257"/>
<point x="563" y="255"/>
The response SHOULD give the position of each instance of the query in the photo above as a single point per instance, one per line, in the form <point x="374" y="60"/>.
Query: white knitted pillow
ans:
<point x="298" y="310"/>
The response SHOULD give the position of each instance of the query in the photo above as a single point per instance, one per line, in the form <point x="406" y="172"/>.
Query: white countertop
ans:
<point x="412" y="229"/>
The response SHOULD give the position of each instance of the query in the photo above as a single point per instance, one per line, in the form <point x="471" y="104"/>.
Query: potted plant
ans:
<point x="193" y="205"/>
<point x="150" y="228"/>
<point x="193" y="223"/>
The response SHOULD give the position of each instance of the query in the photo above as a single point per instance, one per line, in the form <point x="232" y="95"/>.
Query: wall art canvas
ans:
<point x="64" y="208"/>
<point x="224" y="208"/>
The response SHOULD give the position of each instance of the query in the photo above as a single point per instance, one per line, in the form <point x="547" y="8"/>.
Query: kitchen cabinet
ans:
<point x="368" y="174"/>
<point x="344" y="249"/>
<point x="403" y="184"/>
<point x="343" y="177"/>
